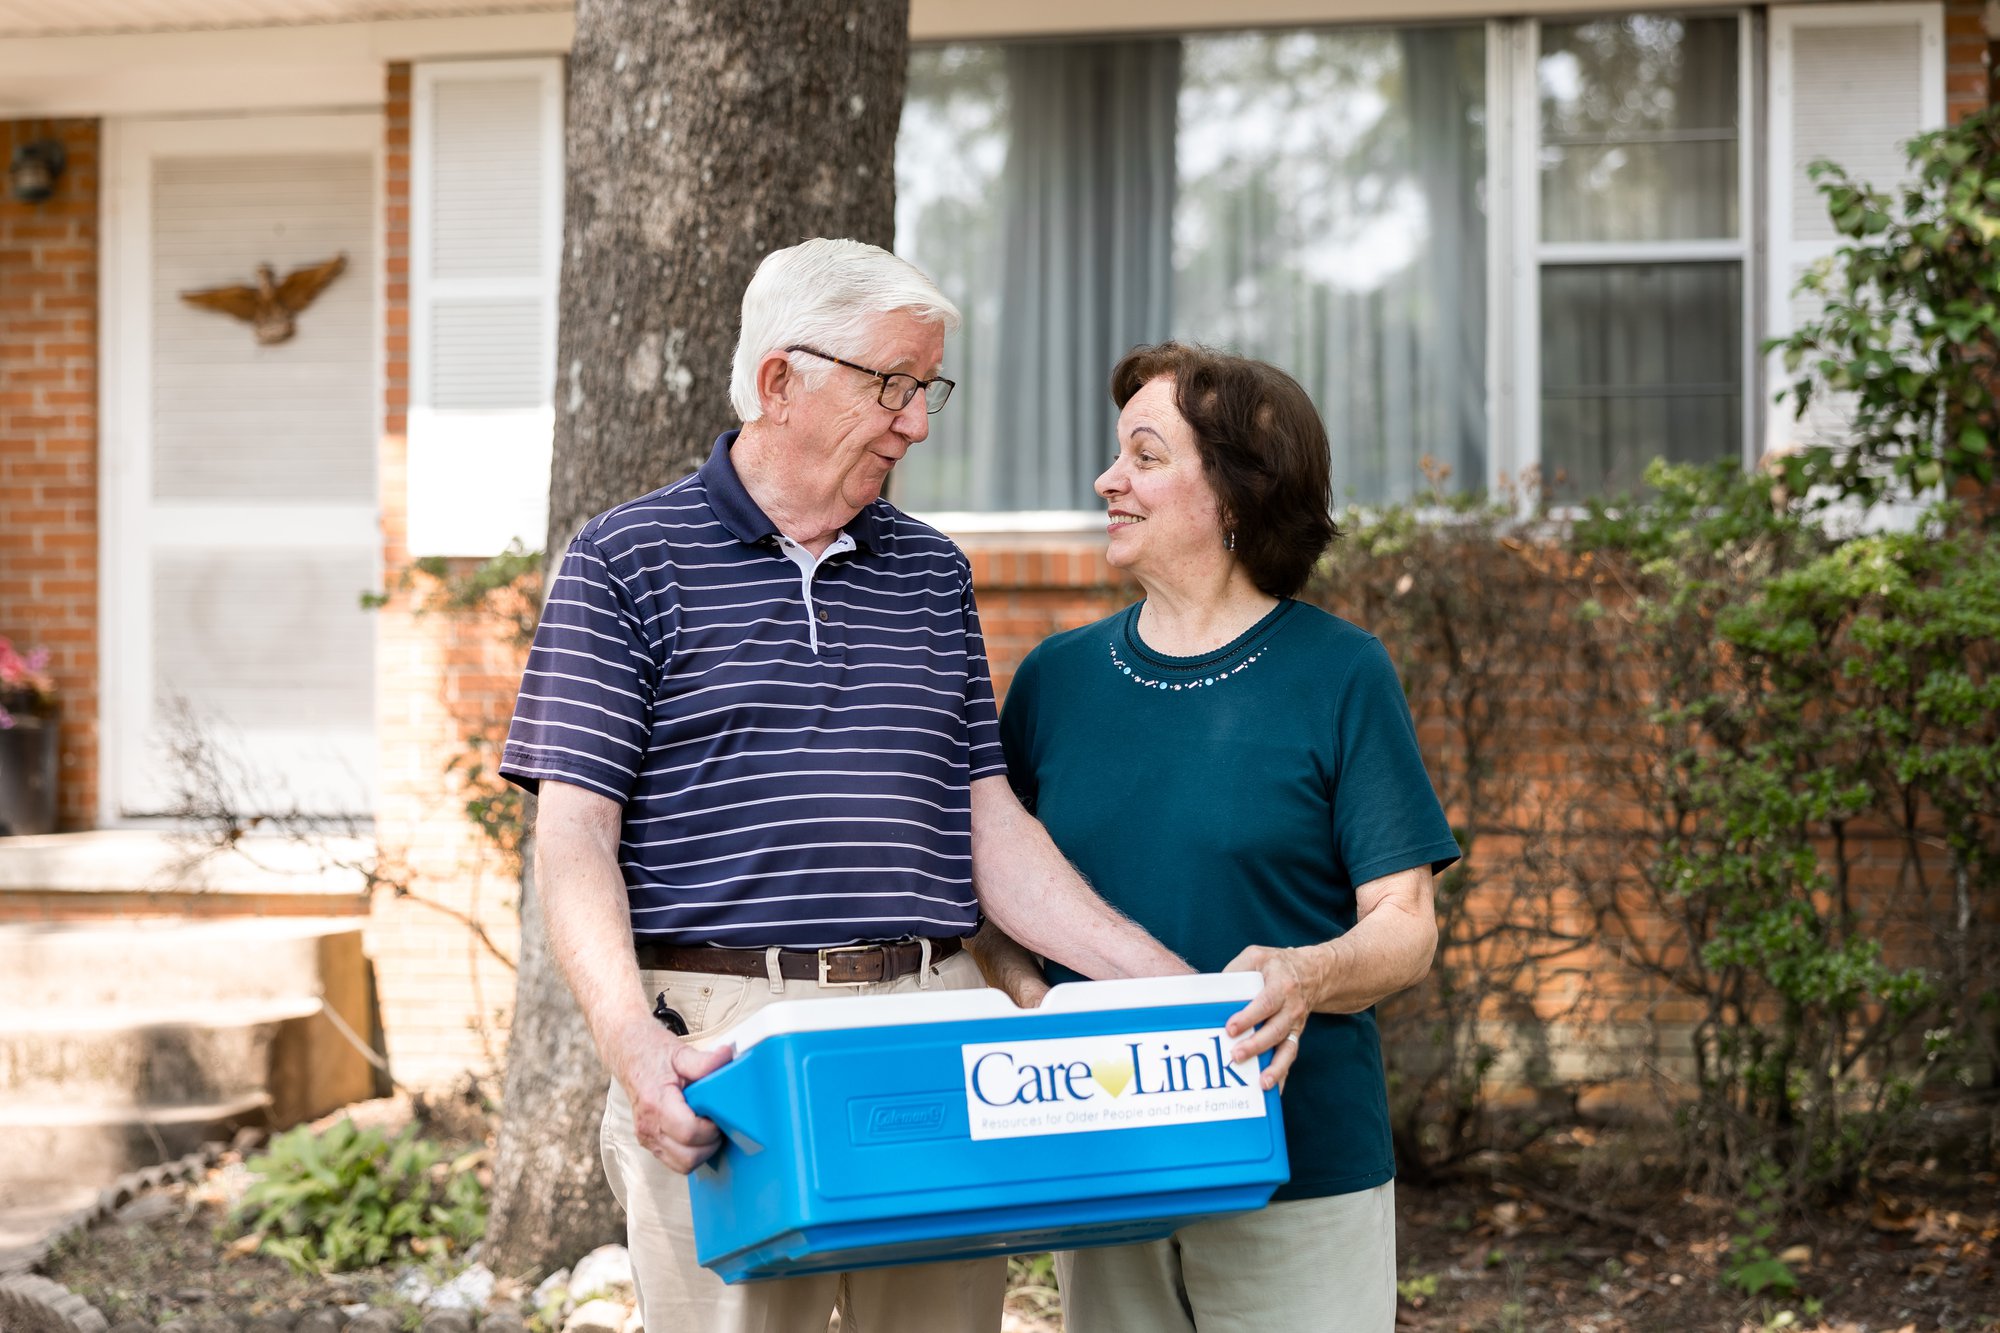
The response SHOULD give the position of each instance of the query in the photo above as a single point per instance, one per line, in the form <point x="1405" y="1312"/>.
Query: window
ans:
<point x="1314" y="199"/>
<point x="1641" y="247"/>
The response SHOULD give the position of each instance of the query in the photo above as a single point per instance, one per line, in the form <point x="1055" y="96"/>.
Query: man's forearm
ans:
<point x="589" y="925"/>
<point x="1039" y="899"/>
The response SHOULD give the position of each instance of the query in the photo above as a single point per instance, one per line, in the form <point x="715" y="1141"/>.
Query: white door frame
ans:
<point x="125" y="401"/>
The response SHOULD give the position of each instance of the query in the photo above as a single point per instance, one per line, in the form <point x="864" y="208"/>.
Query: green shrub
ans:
<point x="353" y="1198"/>
<point x="1749" y="1266"/>
<point x="1909" y="329"/>
<point x="1700" y="738"/>
<point x="1793" y="705"/>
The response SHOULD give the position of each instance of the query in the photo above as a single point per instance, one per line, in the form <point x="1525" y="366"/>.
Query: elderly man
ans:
<point x="760" y="721"/>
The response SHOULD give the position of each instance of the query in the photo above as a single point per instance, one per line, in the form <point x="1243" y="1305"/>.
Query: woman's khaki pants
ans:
<point x="1311" y="1264"/>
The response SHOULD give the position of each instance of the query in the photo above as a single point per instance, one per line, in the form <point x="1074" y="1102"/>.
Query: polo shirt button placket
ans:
<point x="828" y="649"/>
<point x="809" y="567"/>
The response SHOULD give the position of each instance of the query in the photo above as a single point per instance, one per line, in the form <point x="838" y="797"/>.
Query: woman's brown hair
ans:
<point x="1263" y="449"/>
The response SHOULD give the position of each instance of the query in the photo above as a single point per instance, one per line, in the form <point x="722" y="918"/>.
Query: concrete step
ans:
<point x="142" y="967"/>
<point x="201" y="1054"/>
<point x="51" y="1145"/>
<point x="128" y="1043"/>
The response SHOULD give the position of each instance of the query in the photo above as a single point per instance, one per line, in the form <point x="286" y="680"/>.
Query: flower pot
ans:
<point x="28" y="754"/>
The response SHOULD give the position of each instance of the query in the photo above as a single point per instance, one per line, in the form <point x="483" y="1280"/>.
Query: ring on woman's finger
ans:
<point x="1291" y="1036"/>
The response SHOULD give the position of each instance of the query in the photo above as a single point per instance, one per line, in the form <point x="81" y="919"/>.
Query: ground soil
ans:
<point x="1587" y="1231"/>
<point x="1596" y="1232"/>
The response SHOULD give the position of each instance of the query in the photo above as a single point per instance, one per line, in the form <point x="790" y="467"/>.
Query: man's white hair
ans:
<point x="825" y="294"/>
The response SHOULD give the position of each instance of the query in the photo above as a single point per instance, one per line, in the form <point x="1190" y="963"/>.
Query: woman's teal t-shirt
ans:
<point x="1237" y="799"/>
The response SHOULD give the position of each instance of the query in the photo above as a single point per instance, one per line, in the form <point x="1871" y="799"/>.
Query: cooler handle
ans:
<point x="711" y="1096"/>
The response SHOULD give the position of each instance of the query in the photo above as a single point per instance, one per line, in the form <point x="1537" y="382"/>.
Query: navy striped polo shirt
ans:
<point x="794" y="747"/>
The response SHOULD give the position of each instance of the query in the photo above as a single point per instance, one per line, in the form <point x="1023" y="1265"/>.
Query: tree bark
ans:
<point x="701" y="137"/>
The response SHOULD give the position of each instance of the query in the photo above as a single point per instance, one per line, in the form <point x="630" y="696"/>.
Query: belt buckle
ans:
<point x="825" y="980"/>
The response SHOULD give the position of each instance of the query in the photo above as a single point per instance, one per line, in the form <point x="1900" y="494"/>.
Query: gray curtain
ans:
<point x="1086" y="257"/>
<point x="1331" y="223"/>
<point x="1311" y="198"/>
<point x="1448" y="308"/>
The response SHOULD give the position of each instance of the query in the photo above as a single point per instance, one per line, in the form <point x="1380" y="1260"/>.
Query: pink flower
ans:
<point x="25" y="683"/>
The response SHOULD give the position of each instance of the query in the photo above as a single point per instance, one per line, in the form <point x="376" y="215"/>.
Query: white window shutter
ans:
<point x="485" y="246"/>
<point x="1851" y="83"/>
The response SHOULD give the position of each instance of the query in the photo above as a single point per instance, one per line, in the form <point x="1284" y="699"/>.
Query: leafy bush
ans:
<point x="1749" y="1266"/>
<point x="1707" y="763"/>
<point x="1909" y="331"/>
<point x="353" y="1198"/>
<point x="1799" y="711"/>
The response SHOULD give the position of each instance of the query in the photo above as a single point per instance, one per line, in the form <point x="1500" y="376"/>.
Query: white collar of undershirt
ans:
<point x="808" y="566"/>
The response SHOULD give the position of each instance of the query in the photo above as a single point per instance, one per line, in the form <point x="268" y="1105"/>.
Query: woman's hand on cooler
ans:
<point x="1277" y="1016"/>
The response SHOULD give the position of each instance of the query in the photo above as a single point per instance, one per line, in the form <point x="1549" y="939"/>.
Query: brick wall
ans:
<point x="446" y="997"/>
<point x="1967" y="57"/>
<point x="1030" y="590"/>
<point x="48" y="439"/>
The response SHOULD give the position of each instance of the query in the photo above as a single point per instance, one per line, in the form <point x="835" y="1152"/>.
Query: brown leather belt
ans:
<point x="847" y="965"/>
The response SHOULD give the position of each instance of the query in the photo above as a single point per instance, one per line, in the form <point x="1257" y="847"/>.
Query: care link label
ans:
<point x="1071" y="1085"/>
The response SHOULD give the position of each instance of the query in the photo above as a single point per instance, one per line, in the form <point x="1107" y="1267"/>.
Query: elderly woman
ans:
<point x="1237" y="771"/>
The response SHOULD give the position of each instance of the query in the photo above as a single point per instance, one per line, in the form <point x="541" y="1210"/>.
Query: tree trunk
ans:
<point x="550" y="1204"/>
<point x="701" y="137"/>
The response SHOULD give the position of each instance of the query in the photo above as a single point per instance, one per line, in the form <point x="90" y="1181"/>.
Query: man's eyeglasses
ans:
<point x="897" y="389"/>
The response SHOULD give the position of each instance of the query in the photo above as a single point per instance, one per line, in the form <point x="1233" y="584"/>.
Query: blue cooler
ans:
<point x="949" y="1125"/>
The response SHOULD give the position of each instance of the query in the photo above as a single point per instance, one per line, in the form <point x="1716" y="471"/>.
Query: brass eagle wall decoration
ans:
<point x="270" y="306"/>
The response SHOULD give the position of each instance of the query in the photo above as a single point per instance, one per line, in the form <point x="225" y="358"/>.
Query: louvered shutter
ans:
<point x="485" y="244"/>
<point x="1852" y="83"/>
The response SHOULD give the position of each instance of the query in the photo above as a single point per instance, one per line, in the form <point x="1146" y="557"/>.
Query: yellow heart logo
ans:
<point x="1113" y="1076"/>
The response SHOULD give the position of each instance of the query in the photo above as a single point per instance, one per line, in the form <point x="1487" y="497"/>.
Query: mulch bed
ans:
<point x="1591" y="1232"/>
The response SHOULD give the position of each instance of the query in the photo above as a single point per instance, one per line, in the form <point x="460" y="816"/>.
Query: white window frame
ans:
<point x="422" y="431"/>
<point x="1517" y="254"/>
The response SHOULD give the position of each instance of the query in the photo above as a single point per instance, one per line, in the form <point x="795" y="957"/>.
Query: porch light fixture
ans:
<point x="32" y="175"/>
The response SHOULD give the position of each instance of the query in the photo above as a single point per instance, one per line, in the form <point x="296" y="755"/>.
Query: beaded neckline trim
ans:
<point x="1186" y="673"/>
<point x="1152" y="683"/>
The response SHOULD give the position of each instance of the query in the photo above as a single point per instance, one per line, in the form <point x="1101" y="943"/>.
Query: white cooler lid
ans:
<point x="953" y="1006"/>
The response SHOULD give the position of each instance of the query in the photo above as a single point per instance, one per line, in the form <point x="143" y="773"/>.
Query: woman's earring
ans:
<point x="1229" y="540"/>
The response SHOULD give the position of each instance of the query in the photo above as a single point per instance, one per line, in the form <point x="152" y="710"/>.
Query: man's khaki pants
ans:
<point x="677" y="1295"/>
